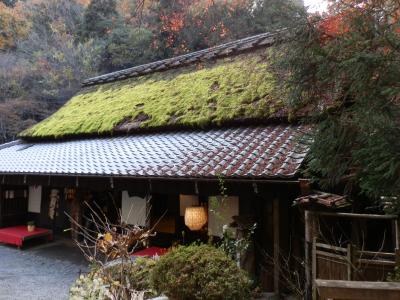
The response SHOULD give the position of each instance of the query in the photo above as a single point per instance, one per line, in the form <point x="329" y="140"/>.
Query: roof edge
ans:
<point x="292" y="178"/>
<point x="10" y="144"/>
<point x="249" y="122"/>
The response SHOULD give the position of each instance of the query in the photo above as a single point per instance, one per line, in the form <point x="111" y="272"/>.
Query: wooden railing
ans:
<point x="351" y="263"/>
<point x="357" y="290"/>
<point x="337" y="263"/>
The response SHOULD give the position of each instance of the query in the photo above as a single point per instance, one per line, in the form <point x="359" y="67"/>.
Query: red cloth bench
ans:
<point x="151" y="251"/>
<point x="19" y="234"/>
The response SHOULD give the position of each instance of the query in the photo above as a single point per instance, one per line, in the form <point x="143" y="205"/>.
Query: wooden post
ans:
<point x="76" y="203"/>
<point x="305" y="187"/>
<point x="396" y="225"/>
<point x="307" y="253"/>
<point x="314" y="268"/>
<point x="351" y="261"/>
<point x="397" y="257"/>
<point x="397" y="233"/>
<point x="275" y="217"/>
<point x="308" y="244"/>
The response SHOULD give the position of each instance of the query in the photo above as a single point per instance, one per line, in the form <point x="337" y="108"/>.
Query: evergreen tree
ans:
<point x="126" y="47"/>
<point x="9" y="3"/>
<point x="99" y="18"/>
<point x="346" y="67"/>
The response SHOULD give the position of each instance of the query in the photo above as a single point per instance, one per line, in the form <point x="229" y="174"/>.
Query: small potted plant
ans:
<point x="31" y="226"/>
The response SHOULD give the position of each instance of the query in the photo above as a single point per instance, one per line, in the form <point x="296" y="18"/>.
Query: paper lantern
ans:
<point x="195" y="217"/>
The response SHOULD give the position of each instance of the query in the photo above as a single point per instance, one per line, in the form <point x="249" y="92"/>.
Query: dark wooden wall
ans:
<point x="13" y="211"/>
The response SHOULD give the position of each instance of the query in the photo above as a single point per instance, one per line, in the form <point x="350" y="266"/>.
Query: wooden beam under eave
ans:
<point x="276" y="220"/>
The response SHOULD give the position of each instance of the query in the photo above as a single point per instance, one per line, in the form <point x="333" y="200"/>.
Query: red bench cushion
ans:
<point x="16" y="235"/>
<point x="151" y="251"/>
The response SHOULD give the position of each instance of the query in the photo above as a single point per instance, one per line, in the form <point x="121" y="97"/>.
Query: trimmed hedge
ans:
<point x="200" y="272"/>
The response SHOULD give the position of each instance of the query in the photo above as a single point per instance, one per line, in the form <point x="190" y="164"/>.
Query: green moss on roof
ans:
<point x="230" y="89"/>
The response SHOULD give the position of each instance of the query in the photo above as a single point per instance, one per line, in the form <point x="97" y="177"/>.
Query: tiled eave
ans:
<point x="261" y="152"/>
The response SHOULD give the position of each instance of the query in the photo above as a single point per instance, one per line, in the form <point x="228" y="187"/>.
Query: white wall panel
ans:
<point x="35" y="199"/>
<point x="134" y="210"/>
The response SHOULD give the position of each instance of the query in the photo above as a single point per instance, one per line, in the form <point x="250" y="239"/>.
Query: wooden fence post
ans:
<point x="308" y="245"/>
<point x="351" y="261"/>
<point x="397" y="257"/>
<point x="349" y="255"/>
<point x="314" y="268"/>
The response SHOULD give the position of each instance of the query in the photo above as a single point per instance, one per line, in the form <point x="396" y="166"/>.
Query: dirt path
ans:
<point x="39" y="272"/>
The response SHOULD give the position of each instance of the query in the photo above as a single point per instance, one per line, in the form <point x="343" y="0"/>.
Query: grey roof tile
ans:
<point x="256" y="152"/>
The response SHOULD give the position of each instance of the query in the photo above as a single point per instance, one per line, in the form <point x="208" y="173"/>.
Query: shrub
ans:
<point x="89" y="287"/>
<point x="395" y="275"/>
<point x="105" y="283"/>
<point x="200" y="272"/>
<point x="137" y="274"/>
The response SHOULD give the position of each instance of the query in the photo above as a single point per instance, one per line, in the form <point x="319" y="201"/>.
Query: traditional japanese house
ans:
<point x="167" y="135"/>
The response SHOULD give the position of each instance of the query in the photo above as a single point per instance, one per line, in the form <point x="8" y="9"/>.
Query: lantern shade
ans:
<point x="195" y="217"/>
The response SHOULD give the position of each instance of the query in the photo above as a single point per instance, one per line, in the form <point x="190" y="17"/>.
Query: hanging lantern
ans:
<point x="195" y="217"/>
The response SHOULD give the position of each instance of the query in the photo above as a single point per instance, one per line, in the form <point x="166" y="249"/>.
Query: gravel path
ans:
<point x="38" y="273"/>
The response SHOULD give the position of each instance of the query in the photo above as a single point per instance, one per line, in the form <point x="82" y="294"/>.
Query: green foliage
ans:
<point x="9" y="2"/>
<point x="236" y="247"/>
<point x="99" y="18"/>
<point x="230" y="89"/>
<point x="107" y="282"/>
<point x="137" y="274"/>
<point x="200" y="272"/>
<point x="46" y="66"/>
<point x="126" y="47"/>
<point x="395" y="275"/>
<point x="89" y="287"/>
<point x="347" y="69"/>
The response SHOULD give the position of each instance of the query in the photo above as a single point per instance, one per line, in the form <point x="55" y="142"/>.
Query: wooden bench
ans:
<point x="19" y="234"/>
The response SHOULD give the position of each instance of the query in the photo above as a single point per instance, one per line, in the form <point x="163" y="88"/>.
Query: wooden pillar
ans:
<point x="307" y="252"/>
<point x="76" y="200"/>
<point x="276" y="220"/>
<point x="396" y="225"/>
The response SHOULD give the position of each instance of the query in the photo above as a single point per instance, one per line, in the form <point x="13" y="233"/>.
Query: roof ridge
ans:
<point x="230" y="48"/>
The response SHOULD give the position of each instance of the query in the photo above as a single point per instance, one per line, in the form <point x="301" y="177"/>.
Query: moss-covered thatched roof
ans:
<point x="231" y="89"/>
